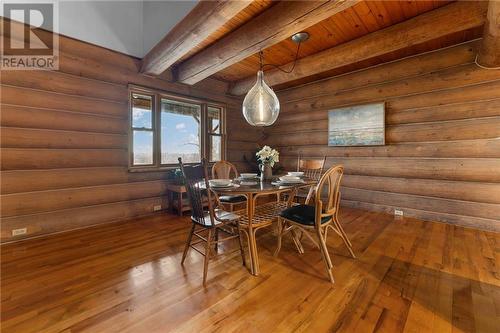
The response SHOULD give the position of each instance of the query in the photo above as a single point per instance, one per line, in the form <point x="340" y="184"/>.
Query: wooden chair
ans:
<point x="227" y="170"/>
<point x="206" y="224"/>
<point x="312" y="168"/>
<point x="314" y="221"/>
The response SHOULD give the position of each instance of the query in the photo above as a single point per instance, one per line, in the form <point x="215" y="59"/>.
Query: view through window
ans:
<point x="164" y="128"/>
<point x="214" y="133"/>
<point x="142" y="129"/>
<point x="180" y="132"/>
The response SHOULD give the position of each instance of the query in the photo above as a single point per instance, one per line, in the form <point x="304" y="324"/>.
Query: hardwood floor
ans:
<point x="410" y="276"/>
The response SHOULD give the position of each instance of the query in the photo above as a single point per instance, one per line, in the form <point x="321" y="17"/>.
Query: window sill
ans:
<point x="163" y="168"/>
<point x="152" y="169"/>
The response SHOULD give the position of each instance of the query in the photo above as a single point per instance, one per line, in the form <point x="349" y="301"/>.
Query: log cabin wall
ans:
<point x="441" y="160"/>
<point x="64" y="142"/>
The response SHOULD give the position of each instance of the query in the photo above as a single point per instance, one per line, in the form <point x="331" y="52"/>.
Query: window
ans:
<point x="142" y="129"/>
<point x="180" y="132"/>
<point x="214" y="133"/>
<point x="165" y="127"/>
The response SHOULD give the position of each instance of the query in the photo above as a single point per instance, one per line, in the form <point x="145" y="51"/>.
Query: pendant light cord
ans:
<point x="262" y="65"/>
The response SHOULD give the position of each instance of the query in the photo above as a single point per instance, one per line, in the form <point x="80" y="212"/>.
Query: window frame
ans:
<point x="132" y="129"/>
<point x="157" y="96"/>
<point x="221" y="134"/>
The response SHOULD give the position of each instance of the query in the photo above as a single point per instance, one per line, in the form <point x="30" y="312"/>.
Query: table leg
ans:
<point x="245" y="231"/>
<point x="179" y="203"/>
<point x="170" y="201"/>
<point x="254" y="255"/>
<point x="252" y="243"/>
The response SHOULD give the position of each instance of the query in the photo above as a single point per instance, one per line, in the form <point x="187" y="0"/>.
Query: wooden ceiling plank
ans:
<point x="366" y="17"/>
<point x="354" y="20"/>
<point x="424" y="6"/>
<point x="395" y="10"/>
<point x="348" y="26"/>
<point x="271" y="27"/>
<point x="446" y="20"/>
<point x="410" y="8"/>
<point x="489" y="53"/>
<point x="339" y="28"/>
<point x="203" y="20"/>
<point x="380" y="12"/>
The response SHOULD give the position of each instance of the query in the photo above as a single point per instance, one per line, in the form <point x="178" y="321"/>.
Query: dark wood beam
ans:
<point x="271" y="27"/>
<point x="452" y="18"/>
<point x="489" y="52"/>
<point x="203" y="20"/>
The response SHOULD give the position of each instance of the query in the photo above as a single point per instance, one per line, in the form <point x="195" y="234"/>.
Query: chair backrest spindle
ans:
<point x="224" y="170"/>
<point x="194" y="176"/>
<point x="312" y="168"/>
<point x="329" y="184"/>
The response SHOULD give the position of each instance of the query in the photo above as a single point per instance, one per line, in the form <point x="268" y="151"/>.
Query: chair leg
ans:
<point x="296" y="241"/>
<point x="344" y="237"/>
<point x="208" y="249"/>
<point x="216" y="243"/>
<point x="326" y="256"/>
<point x="188" y="243"/>
<point x="280" y="234"/>
<point x="241" y="244"/>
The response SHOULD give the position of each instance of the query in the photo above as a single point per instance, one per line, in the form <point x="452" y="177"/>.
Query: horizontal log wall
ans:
<point x="441" y="160"/>
<point x="64" y="144"/>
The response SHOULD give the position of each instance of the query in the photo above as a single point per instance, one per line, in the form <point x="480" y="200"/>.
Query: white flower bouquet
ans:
<point x="267" y="155"/>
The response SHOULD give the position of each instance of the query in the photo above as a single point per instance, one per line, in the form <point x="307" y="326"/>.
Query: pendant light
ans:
<point x="261" y="106"/>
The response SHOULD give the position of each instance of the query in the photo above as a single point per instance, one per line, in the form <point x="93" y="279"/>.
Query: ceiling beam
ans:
<point x="204" y="19"/>
<point x="271" y="27"/>
<point x="489" y="52"/>
<point x="443" y="21"/>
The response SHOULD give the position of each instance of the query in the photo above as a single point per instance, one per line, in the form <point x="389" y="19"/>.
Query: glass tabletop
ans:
<point x="258" y="186"/>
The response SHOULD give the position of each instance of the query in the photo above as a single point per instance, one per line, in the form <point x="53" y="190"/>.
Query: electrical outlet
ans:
<point x="398" y="212"/>
<point x="156" y="208"/>
<point x="17" y="232"/>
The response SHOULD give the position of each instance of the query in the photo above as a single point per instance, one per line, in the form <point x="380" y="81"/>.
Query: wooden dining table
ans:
<point x="255" y="216"/>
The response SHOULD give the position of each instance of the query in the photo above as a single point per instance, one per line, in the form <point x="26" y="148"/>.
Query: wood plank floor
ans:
<point x="410" y="276"/>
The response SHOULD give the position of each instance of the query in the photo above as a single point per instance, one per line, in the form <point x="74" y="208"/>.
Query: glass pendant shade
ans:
<point x="261" y="105"/>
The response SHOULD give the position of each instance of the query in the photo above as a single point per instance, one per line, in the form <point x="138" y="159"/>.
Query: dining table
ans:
<point x="256" y="217"/>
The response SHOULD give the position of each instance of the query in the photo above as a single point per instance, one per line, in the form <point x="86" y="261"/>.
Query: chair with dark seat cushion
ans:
<point x="314" y="221"/>
<point x="232" y="198"/>
<point x="303" y="214"/>
<point x="207" y="223"/>
<point x="227" y="170"/>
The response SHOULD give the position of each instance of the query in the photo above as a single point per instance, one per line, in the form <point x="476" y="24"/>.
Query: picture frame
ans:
<point x="359" y="125"/>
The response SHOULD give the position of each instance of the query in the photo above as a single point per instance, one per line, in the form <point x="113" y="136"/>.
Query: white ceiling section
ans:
<point x="131" y="27"/>
<point x="116" y="25"/>
<point x="160" y="17"/>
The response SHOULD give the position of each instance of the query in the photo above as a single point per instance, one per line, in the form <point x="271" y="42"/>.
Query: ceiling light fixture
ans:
<point x="261" y="106"/>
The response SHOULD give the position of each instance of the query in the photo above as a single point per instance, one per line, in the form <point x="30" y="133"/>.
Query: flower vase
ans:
<point x="266" y="171"/>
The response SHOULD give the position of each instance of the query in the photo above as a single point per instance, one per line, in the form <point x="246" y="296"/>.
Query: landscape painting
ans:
<point x="361" y="125"/>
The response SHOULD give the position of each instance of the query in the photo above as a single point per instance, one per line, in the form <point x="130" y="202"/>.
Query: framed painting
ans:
<point x="361" y="125"/>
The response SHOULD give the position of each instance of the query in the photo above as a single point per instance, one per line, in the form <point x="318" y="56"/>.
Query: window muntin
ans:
<point x="164" y="127"/>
